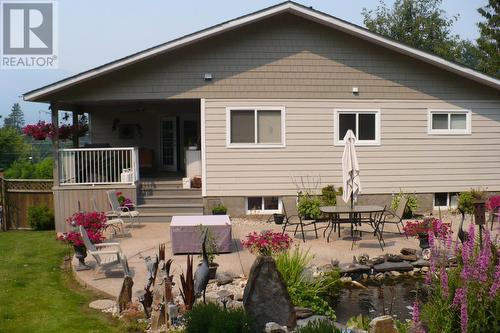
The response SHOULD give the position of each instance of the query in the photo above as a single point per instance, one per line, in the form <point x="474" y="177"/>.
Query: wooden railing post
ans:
<point x="55" y="142"/>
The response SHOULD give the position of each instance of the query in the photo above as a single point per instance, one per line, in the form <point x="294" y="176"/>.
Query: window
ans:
<point x="449" y="122"/>
<point x="263" y="205"/>
<point x="364" y="123"/>
<point x="445" y="200"/>
<point x="251" y="127"/>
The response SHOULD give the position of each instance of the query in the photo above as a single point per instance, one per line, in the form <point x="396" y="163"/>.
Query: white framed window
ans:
<point x="445" y="200"/>
<point x="263" y="205"/>
<point x="255" y="127"/>
<point x="365" y="123"/>
<point x="449" y="122"/>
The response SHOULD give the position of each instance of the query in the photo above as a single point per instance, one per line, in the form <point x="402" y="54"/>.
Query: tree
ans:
<point x="488" y="42"/>
<point x="418" y="23"/>
<point x="15" y="118"/>
<point x="12" y="146"/>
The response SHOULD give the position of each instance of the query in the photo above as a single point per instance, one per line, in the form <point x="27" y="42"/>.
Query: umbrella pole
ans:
<point x="352" y="194"/>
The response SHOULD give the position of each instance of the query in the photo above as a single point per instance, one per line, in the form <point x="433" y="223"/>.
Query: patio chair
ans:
<point x="495" y="215"/>
<point x="395" y="217"/>
<point x="105" y="254"/>
<point x="298" y="222"/>
<point x="114" y="223"/>
<point x="131" y="215"/>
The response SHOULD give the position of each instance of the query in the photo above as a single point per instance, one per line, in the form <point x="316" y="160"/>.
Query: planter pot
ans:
<point x="219" y="213"/>
<point x="212" y="270"/>
<point x="81" y="254"/>
<point x="423" y="237"/>
<point x="278" y="218"/>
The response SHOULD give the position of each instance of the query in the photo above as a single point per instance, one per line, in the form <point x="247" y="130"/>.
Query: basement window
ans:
<point x="445" y="200"/>
<point x="263" y="205"/>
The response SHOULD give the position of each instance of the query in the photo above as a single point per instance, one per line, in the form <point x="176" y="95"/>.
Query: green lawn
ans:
<point x="37" y="294"/>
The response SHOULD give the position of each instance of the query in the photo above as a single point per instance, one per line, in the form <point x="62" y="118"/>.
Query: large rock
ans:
<point x="382" y="324"/>
<point x="266" y="298"/>
<point x="224" y="278"/>
<point x="407" y="251"/>
<point x="421" y="263"/>
<point x="354" y="268"/>
<point x="393" y="266"/>
<point x="273" y="327"/>
<point x="102" y="304"/>
<point x="409" y="257"/>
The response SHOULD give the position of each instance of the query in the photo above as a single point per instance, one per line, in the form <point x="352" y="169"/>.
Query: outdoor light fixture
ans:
<point x="355" y="90"/>
<point x="208" y="77"/>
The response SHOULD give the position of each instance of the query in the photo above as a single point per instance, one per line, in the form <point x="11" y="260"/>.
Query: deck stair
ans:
<point x="159" y="200"/>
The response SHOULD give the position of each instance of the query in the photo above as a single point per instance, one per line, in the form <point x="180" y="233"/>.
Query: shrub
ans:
<point x="329" y="195"/>
<point x="211" y="318"/>
<point x="308" y="207"/>
<point x="411" y="206"/>
<point x="41" y="218"/>
<point x="23" y="169"/>
<point x="466" y="202"/>
<point x="318" y="326"/>
<point x="304" y="291"/>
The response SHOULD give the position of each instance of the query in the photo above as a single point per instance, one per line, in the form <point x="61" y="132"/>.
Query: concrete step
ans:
<point x="170" y="209"/>
<point x="161" y="217"/>
<point x="154" y="192"/>
<point x="174" y="199"/>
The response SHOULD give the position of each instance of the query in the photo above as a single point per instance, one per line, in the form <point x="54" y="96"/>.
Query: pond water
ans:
<point x="387" y="297"/>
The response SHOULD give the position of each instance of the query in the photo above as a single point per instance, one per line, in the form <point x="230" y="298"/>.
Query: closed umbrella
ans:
<point x="350" y="169"/>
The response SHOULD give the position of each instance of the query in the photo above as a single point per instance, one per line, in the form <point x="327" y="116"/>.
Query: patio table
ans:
<point x="355" y="218"/>
<point x="185" y="233"/>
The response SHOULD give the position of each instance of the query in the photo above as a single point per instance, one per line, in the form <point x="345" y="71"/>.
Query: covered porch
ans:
<point x="134" y="147"/>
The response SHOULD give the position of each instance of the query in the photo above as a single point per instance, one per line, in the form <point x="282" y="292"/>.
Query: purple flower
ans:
<point x="444" y="282"/>
<point x="496" y="282"/>
<point x="460" y="299"/>
<point x="416" y="318"/>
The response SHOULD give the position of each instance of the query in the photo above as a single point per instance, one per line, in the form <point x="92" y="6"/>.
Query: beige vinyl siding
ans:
<point x="282" y="57"/>
<point x="408" y="158"/>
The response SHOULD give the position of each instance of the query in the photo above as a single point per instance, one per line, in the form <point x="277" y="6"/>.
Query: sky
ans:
<point x="94" y="32"/>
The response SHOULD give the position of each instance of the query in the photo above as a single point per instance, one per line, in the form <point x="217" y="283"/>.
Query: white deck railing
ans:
<point x="98" y="166"/>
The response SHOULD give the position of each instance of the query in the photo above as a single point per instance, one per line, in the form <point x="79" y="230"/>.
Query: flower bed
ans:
<point x="267" y="242"/>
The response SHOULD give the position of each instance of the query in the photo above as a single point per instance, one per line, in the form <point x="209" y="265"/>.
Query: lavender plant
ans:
<point x="464" y="298"/>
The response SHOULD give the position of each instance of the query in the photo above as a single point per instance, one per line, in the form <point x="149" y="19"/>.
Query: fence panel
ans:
<point x="19" y="195"/>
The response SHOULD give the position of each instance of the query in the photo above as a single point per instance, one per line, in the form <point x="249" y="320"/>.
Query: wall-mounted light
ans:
<point x="355" y="90"/>
<point x="207" y="77"/>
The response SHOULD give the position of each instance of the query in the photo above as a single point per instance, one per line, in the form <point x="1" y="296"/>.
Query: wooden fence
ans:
<point x="17" y="195"/>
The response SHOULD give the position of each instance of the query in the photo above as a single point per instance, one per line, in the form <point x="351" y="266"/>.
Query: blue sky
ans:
<point x="94" y="32"/>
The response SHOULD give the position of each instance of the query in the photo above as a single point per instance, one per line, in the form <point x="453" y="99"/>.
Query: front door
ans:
<point x="168" y="145"/>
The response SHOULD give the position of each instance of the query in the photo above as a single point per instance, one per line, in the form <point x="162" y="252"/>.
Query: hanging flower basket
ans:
<point x="39" y="131"/>
<point x="42" y="130"/>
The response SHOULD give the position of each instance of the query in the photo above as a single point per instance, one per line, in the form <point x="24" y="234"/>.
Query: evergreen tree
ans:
<point x="16" y="117"/>
<point x="488" y="43"/>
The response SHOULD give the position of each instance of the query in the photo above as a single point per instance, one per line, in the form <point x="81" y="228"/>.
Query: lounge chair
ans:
<point x="105" y="254"/>
<point x="395" y="217"/>
<point x="113" y="222"/>
<point x="118" y="211"/>
<point x="298" y="222"/>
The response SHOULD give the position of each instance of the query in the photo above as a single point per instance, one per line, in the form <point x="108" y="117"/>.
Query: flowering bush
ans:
<point x="493" y="202"/>
<point x="464" y="298"/>
<point x="267" y="242"/>
<point x="436" y="226"/>
<point x="124" y="201"/>
<point x="93" y="222"/>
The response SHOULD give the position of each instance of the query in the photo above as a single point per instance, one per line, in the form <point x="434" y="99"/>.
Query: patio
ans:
<point x="142" y="241"/>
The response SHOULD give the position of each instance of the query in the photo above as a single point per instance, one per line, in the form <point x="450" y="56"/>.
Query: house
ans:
<point x="268" y="98"/>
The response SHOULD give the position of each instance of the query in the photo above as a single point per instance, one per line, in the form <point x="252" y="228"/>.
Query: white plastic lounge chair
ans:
<point x="118" y="211"/>
<point x="113" y="223"/>
<point x="105" y="254"/>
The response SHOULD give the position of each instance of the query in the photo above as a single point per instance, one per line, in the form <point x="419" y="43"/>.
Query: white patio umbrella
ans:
<point x="350" y="169"/>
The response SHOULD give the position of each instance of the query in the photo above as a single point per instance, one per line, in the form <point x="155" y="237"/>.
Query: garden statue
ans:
<point x="201" y="275"/>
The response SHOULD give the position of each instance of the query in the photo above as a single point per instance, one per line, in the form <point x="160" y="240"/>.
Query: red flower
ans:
<point x="93" y="222"/>
<point x="267" y="243"/>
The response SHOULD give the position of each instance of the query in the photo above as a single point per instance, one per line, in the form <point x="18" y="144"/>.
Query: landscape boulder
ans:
<point x="382" y="324"/>
<point x="402" y="266"/>
<point x="266" y="298"/>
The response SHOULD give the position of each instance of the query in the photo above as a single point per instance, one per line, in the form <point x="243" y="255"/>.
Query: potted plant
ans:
<point x="308" y="207"/>
<point x="421" y="230"/>
<point x="219" y="209"/>
<point x="267" y="243"/>
<point x="94" y="223"/>
<point x="212" y="251"/>
<point x="278" y="218"/>
<point x="329" y="195"/>
<point x="124" y="201"/>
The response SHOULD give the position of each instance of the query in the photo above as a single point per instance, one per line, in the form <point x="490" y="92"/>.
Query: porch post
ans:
<point x="55" y="142"/>
<point x="76" y="138"/>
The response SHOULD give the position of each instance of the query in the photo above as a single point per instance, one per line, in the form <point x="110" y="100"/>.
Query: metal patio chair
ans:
<point x="395" y="217"/>
<point x="298" y="222"/>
